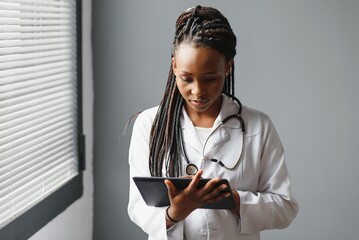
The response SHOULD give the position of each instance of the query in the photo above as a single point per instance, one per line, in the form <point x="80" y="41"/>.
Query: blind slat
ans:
<point x="42" y="164"/>
<point x="31" y="69"/>
<point x="32" y="55"/>
<point x="13" y="105"/>
<point x="11" y="6"/>
<point x="25" y="108"/>
<point x="37" y="14"/>
<point x="41" y="3"/>
<point x="34" y="77"/>
<point x="23" y="144"/>
<point x="39" y="35"/>
<point x="31" y="42"/>
<point x="30" y="22"/>
<point x="30" y="152"/>
<point x="37" y="125"/>
<point x="61" y="108"/>
<point x="27" y="191"/>
<point x="32" y="29"/>
<point x="40" y="85"/>
<point x="30" y="49"/>
<point x="32" y="133"/>
<point x="32" y="62"/>
<point x="25" y="156"/>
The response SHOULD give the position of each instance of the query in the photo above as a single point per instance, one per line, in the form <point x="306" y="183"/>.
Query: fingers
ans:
<point x="195" y="196"/>
<point x="215" y="193"/>
<point x="195" y="180"/>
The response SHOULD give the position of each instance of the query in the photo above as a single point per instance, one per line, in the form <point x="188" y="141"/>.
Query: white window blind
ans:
<point x="38" y="102"/>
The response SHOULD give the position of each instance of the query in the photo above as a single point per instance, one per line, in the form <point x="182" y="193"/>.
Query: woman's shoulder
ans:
<point x="143" y="121"/>
<point x="146" y="116"/>
<point x="149" y="112"/>
<point x="252" y="113"/>
<point x="255" y="120"/>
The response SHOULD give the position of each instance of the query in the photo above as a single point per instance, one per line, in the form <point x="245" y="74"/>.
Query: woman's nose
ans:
<point x="198" y="89"/>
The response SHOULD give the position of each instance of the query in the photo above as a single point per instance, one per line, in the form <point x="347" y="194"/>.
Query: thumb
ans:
<point x="171" y="189"/>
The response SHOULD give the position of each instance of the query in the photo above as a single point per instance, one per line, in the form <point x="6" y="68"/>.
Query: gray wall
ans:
<point x="298" y="61"/>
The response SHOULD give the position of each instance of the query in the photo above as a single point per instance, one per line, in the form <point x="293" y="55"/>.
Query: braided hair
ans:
<point x="202" y="26"/>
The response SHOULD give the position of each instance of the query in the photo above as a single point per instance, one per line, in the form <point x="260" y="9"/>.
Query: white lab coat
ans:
<point x="260" y="177"/>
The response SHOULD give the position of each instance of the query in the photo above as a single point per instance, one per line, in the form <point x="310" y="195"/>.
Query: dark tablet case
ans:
<point x="154" y="191"/>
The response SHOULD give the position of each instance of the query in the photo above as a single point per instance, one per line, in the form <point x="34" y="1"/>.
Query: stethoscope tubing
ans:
<point x="191" y="168"/>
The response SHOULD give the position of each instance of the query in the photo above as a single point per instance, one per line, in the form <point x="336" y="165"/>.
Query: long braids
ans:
<point x="203" y="26"/>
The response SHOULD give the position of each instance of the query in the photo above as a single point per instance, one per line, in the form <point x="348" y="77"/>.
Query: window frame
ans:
<point x="28" y="223"/>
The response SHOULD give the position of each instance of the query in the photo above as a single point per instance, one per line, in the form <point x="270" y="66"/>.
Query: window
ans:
<point x="41" y="140"/>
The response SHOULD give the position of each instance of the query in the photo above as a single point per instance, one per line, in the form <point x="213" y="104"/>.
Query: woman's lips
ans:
<point x="199" y="103"/>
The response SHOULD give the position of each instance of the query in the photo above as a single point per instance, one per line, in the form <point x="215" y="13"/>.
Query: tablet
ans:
<point x="154" y="191"/>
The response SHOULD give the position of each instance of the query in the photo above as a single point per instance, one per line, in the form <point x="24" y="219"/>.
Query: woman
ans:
<point x="201" y="129"/>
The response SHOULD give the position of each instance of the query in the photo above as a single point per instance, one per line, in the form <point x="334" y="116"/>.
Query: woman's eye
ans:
<point x="210" y="79"/>
<point x="185" y="79"/>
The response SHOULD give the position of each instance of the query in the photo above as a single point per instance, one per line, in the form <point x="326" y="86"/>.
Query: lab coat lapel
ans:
<point x="220" y="135"/>
<point x="226" y="142"/>
<point x="190" y="138"/>
<point x="216" y="139"/>
<point x="189" y="135"/>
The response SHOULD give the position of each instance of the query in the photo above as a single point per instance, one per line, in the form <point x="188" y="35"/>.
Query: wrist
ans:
<point x="168" y="217"/>
<point x="237" y="200"/>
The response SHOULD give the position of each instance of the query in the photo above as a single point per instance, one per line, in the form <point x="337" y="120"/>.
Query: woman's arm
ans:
<point x="273" y="205"/>
<point x="150" y="219"/>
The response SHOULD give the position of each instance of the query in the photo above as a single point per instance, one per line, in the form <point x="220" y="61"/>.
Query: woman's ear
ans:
<point x="174" y="66"/>
<point x="229" y="66"/>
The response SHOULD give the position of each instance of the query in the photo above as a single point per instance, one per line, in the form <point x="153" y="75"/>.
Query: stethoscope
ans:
<point x="191" y="168"/>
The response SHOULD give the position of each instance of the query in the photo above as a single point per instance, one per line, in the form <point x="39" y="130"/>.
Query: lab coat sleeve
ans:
<point x="273" y="206"/>
<point x="150" y="219"/>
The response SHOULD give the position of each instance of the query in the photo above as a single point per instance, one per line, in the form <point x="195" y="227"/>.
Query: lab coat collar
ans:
<point x="221" y="135"/>
<point x="228" y="108"/>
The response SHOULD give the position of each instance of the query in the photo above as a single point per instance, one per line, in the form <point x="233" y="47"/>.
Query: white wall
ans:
<point x="75" y="223"/>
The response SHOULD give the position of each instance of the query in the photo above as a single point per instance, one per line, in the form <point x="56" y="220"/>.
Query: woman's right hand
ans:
<point x="183" y="202"/>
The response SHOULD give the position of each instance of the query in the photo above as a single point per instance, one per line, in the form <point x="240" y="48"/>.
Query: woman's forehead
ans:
<point x="189" y="57"/>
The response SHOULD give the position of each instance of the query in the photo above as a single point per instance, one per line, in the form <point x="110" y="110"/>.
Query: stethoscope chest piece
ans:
<point x="191" y="169"/>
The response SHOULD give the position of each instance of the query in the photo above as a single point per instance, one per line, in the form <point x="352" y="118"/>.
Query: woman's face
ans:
<point x="200" y="75"/>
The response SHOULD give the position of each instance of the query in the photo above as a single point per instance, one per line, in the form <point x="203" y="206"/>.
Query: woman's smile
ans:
<point x="200" y="103"/>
